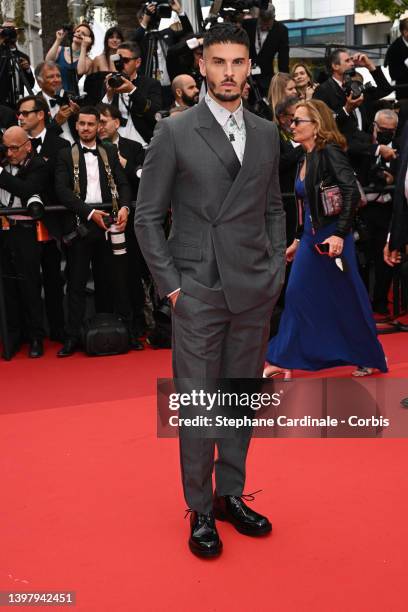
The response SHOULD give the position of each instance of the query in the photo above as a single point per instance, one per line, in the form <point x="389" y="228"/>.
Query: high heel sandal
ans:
<point x="270" y="371"/>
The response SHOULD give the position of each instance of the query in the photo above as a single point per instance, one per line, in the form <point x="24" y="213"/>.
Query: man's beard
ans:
<point x="189" y="101"/>
<point x="224" y="97"/>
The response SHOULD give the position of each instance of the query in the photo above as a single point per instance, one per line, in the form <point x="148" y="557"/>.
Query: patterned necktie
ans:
<point x="235" y="137"/>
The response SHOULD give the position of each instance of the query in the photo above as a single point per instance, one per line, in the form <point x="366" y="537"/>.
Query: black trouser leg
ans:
<point x="53" y="286"/>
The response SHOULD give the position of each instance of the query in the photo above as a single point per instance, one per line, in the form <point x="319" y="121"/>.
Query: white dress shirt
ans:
<point x="66" y="132"/>
<point x="42" y="136"/>
<point x="93" y="186"/>
<point x="233" y="124"/>
<point x="6" y="196"/>
<point x="128" y="131"/>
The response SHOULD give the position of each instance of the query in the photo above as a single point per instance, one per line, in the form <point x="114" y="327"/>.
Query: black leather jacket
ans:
<point x="331" y="166"/>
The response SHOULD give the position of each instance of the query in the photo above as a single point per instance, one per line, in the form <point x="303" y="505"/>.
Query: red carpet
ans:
<point x="91" y="502"/>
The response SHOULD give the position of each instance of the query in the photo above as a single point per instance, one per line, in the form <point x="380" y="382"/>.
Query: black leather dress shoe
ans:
<point x="69" y="348"/>
<point x="36" y="348"/>
<point x="204" y="539"/>
<point x="135" y="344"/>
<point x="232" y="509"/>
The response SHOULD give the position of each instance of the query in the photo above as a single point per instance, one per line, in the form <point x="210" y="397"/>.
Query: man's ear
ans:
<point x="201" y="64"/>
<point x="249" y="67"/>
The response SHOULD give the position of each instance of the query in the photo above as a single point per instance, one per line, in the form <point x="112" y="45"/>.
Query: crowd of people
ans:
<point x="75" y="131"/>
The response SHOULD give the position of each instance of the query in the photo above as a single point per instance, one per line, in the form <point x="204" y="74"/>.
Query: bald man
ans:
<point x="185" y="90"/>
<point x="23" y="174"/>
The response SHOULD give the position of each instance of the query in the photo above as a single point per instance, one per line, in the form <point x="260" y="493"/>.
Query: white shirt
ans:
<point x="129" y="130"/>
<point x="66" y="132"/>
<point x="406" y="185"/>
<point x="222" y="116"/>
<point x="357" y="111"/>
<point x="93" y="186"/>
<point x="5" y="196"/>
<point x="260" y="39"/>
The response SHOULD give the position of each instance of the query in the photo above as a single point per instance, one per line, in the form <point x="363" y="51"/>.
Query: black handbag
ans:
<point x="105" y="334"/>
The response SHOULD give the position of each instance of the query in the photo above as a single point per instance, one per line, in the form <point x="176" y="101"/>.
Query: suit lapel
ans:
<point x="212" y="133"/>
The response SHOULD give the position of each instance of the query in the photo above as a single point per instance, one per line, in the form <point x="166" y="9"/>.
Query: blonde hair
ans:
<point x="276" y="92"/>
<point x="327" y="130"/>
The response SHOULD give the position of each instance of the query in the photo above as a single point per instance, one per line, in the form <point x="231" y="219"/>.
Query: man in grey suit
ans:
<point x="222" y="265"/>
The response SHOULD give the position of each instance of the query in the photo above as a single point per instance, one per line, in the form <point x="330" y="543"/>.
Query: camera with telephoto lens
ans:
<point x="68" y="29"/>
<point x="116" y="78"/>
<point x="68" y="96"/>
<point x="35" y="207"/>
<point x="116" y="237"/>
<point x="377" y="177"/>
<point x="230" y="7"/>
<point x="163" y="10"/>
<point x="354" y="87"/>
<point x="9" y="35"/>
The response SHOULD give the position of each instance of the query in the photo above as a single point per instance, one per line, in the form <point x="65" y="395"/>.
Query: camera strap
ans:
<point x="109" y="176"/>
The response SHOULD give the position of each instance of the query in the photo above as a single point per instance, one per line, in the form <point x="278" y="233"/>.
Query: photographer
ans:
<point x="138" y="97"/>
<point x="184" y="58"/>
<point x="62" y="109"/>
<point x="85" y="236"/>
<point x="267" y="38"/>
<point x="73" y="59"/>
<point x="380" y="168"/>
<point x="15" y="69"/>
<point x="396" y="58"/>
<point x="344" y="93"/>
<point x="153" y="41"/>
<point x="23" y="174"/>
<point x="131" y="157"/>
<point x="32" y="113"/>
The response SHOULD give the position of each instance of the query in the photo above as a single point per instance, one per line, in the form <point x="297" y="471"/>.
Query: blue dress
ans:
<point x="327" y="320"/>
<point x="68" y="71"/>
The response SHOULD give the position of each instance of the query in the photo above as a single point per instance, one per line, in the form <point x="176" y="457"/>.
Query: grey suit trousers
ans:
<point x="210" y="342"/>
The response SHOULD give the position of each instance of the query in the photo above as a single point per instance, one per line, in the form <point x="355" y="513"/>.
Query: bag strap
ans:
<point x="111" y="180"/>
<point x="75" y="163"/>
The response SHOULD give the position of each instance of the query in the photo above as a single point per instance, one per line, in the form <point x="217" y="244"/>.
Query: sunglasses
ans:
<point x="26" y="113"/>
<point x="126" y="60"/>
<point x="14" y="148"/>
<point x="298" y="121"/>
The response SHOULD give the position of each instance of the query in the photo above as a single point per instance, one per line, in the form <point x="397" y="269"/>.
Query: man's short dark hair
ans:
<point x="334" y="58"/>
<point x="403" y="25"/>
<point x="283" y="106"/>
<point x="131" y="46"/>
<point x="109" y="109"/>
<point x="39" y="105"/>
<point x="225" y="33"/>
<point x="89" y="110"/>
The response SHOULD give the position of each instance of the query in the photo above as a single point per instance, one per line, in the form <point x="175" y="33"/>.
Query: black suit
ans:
<point x="144" y="103"/>
<point x="108" y="270"/>
<point x="276" y="42"/>
<point x="7" y="117"/>
<point x="395" y="57"/>
<point x="399" y="222"/>
<point x="21" y="254"/>
<point x="51" y="255"/>
<point x="134" y="153"/>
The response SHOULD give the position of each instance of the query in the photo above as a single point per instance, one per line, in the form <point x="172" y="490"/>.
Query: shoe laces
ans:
<point x="250" y="496"/>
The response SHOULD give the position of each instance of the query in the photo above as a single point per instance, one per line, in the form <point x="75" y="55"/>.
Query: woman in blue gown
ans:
<point x="327" y="320"/>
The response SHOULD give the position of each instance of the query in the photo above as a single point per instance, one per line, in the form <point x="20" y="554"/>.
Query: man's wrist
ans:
<point x="173" y="292"/>
<point x="89" y="217"/>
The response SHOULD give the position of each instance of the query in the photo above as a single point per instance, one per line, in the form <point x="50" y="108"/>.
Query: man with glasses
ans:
<point x="33" y="114"/>
<point x="23" y="174"/>
<point x="377" y="169"/>
<point x="138" y="97"/>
